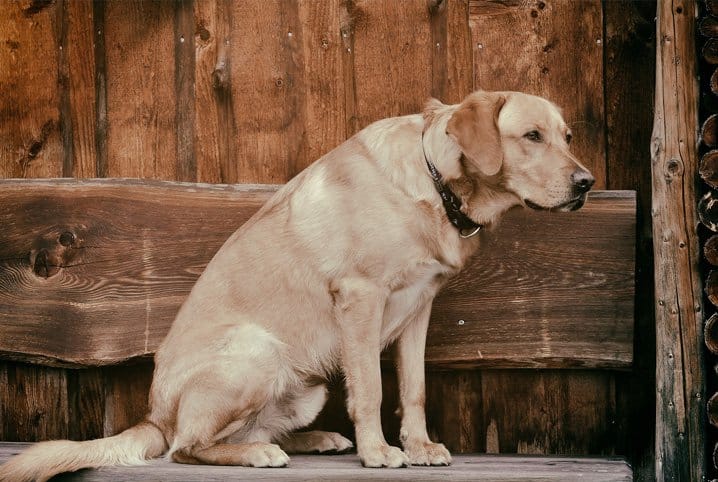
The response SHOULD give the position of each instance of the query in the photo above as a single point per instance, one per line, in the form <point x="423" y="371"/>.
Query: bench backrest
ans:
<point x="92" y="273"/>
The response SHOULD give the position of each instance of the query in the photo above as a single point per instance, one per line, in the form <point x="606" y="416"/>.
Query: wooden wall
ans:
<point x="228" y="92"/>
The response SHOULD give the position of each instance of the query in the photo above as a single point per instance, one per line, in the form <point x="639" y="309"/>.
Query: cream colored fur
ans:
<point x="344" y="260"/>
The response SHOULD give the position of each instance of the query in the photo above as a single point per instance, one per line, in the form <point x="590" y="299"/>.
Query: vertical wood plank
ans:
<point x="126" y="396"/>
<point x="459" y="63"/>
<point x="141" y="103"/>
<point x="86" y="403"/>
<point x="680" y="376"/>
<point x="30" y="141"/>
<point x="322" y="69"/>
<point x="81" y="88"/>
<point x="556" y="51"/>
<point x="267" y="90"/>
<point x="454" y="410"/>
<point x="34" y="402"/>
<point x="629" y="95"/>
<point x="551" y="411"/>
<point x="392" y="58"/>
<point x="214" y="130"/>
<point x="184" y="35"/>
<point x="100" y="55"/>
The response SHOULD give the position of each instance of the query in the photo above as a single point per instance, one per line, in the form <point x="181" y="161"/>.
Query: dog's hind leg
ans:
<point x="300" y="411"/>
<point x="207" y="415"/>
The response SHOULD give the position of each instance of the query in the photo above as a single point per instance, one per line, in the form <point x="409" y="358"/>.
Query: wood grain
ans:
<point x="81" y="89"/>
<point x="391" y="41"/>
<point x="29" y="107"/>
<point x="680" y="376"/>
<point x="548" y="412"/>
<point x="35" y="402"/>
<point x="214" y="129"/>
<point x="140" y="65"/>
<point x="347" y="467"/>
<point x="267" y="98"/>
<point x="556" y="51"/>
<point x="133" y="251"/>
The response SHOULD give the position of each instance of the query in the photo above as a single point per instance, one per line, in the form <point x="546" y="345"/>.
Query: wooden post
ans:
<point x="680" y="406"/>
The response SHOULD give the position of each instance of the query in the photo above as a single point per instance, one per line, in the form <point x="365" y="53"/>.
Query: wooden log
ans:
<point x="711" y="287"/>
<point x="128" y="252"/>
<point x="710" y="51"/>
<point x="710" y="250"/>
<point x="712" y="409"/>
<point x="714" y="82"/>
<point x="708" y="26"/>
<point x="680" y="380"/>
<point x="709" y="131"/>
<point x="710" y="330"/>
<point x="708" y="210"/>
<point x="709" y="168"/>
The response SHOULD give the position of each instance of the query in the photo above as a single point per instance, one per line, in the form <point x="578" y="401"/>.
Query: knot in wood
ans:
<point x="67" y="239"/>
<point x="673" y="167"/>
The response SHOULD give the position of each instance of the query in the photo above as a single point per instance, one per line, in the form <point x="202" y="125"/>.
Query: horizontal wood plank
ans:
<point x="92" y="273"/>
<point x="347" y="467"/>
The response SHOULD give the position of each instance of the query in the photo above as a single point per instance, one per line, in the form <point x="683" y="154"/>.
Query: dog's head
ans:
<point x="521" y="142"/>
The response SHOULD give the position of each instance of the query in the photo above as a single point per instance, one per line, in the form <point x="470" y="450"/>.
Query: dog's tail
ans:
<point x="46" y="459"/>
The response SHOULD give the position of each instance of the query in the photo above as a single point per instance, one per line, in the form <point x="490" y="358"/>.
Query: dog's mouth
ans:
<point x="571" y="205"/>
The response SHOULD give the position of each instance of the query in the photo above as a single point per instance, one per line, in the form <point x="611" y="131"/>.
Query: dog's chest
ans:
<point x="420" y="284"/>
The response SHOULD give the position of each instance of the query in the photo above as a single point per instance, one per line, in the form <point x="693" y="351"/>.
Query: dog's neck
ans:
<point x="482" y="197"/>
<point x="483" y="201"/>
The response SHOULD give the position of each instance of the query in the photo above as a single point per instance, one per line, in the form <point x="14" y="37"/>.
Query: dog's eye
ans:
<point x="534" y="136"/>
<point x="569" y="136"/>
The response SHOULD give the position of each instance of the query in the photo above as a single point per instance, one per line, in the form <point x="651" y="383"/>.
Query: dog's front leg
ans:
<point x="359" y="306"/>
<point x="412" y="392"/>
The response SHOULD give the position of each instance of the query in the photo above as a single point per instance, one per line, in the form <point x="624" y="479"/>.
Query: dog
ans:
<point x="342" y="261"/>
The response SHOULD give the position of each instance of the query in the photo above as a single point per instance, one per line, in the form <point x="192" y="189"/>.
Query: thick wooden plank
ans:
<point x="537" y="282"/>
<point x="680" y="373"/>
<point x="141" y="101"/>
<point x="347" y="467"/>
<point x="132" y="251"/>
<point x="31" y="145"/>
<point x="555" y="50"/>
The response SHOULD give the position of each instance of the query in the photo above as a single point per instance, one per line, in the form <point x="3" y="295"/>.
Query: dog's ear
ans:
<point x="474" y="127"/>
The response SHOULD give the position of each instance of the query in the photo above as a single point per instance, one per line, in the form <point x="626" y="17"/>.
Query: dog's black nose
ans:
<point x="582" y="180"/>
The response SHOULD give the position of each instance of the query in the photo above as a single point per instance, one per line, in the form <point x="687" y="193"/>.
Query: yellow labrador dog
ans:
<point x="343" y="260"/>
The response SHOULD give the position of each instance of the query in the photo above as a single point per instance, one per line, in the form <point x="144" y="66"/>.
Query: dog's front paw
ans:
<point x="383" y="456"/>
<point x="427" y="453"/>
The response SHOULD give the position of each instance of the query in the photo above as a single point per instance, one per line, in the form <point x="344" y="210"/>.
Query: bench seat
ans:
<point x="346" y="467"/>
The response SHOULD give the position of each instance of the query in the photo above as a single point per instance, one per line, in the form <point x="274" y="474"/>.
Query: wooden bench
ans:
<point x="92" y="273"/>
